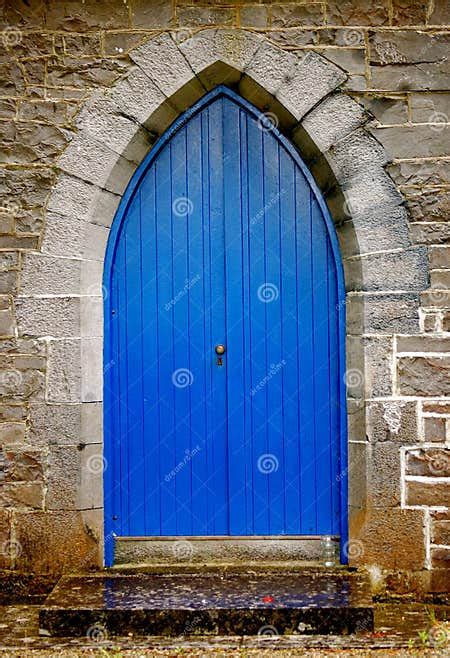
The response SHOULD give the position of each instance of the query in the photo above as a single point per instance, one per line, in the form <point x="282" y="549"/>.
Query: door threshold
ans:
<point x="219" y="550"/>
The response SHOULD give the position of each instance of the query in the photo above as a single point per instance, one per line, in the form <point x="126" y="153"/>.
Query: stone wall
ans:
<point x="56" y="56"/>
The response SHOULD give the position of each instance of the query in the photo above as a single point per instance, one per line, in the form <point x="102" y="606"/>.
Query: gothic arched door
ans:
<point x="224" y="339"/>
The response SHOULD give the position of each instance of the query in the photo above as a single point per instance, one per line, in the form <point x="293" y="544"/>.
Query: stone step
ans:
<point x="272" y="603"/>
<point x="160" y="550"/>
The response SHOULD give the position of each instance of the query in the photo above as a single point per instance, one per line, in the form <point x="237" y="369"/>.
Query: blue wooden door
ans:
<point x="222" y="239"/>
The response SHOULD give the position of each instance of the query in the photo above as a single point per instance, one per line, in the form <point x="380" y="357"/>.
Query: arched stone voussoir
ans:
<point x="335" y="117"/>
<point x="206" y="50"/>
<point x="312" y="79"/>
<point x="102" y="119"/>
<point x="162" y="61"/>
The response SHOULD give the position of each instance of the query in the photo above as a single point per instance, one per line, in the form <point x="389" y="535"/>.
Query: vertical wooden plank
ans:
<point x="306" y="350"/>
<point x="135" y="438"/>
<point x="258" y="331"/>
<point x="234" y="357"/>
<point x="321" y="371"/>
<point x="290" y="353"/>
<point x="166" y="361"/>
<point x="196" y="294"/>
<point x="150" y="348"/>
<point x="219" y="473"/>
<point x="184" y="371"/>
<point x="273" y="377"/>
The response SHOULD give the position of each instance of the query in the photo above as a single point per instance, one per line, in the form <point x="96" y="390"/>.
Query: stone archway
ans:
<point x="117" y="127"/>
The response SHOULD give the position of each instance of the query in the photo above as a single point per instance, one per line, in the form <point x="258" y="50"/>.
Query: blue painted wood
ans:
<point x="223" y="237"/>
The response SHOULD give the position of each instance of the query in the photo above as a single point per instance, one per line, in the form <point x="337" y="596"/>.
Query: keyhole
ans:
<point x="219" y="361"/>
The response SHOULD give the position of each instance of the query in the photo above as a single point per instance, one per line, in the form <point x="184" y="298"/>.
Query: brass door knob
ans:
<point x="220" y="350"/>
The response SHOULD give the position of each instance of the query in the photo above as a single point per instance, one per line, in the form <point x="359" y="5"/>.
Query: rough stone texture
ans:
<point x="424" y="375"/>
<point x="434" y="462"/>
<point x="78" y="80"/>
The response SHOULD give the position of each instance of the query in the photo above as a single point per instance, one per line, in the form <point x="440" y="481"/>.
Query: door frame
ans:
<point x="110" y="481"/>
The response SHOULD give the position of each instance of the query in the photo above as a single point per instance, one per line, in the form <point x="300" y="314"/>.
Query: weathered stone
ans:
<point x="84" y="73"/>
<point x="392" y="420"/>
<point x="11" y="433"/>
<point x="439" y="257"/>
<point x="93" y="464"/>
<point x="352" y="12"/>
<point x="420" y="172"/>
<point x="44" y="111"/>
<point x="97" y="164"/>
<point x="430" y="232"/>
<point x="55" y="423"/>
<point x="91" y="370"/>
<point x="431" y="108"/>
<point x="265" y="66"/>
<point x="23" y="465"/>
<point x="373" y="231"/>
<point x="55" y="316"/>
<point x="198" y="16"/>
<point x="21" y="385"/>
<point x="45" y="274"/>
<point x="334" y="118"/>
<point x="65" y="543"/>
<point x="440" y="279"/>
<point x="408" y="60"/>
<point x="64" y="371"/>
<point x="421" y="375"/>
<point x="208" y="51"/>
<point x="65" y="236"/>
<point x="402" y="270"/>
<point x="433" y="462"/>
<point x="382" y="313"/>
<point x="120" y="43"/>
<point x="406" y="12"/>
<point x="88" y="15"/>
<point x="23" y="143"/>
<point x="386" y="109"/>
<point x="5" y="538"/>
<point x="446" y="322"/>
<point x="429" y="494"/>
<point x="423" y="344"/>
<point x="441" y="532"/>
<point x="7" y="322"/>
<point x="157" y="14"/>
<point x="292" y="15"/>
<point x="439" y="13"/>
<point x="383" y="478"/>
<point x="13" y="412"/>
<point x="102" y="120"/>
<point x="429" y="206"/>
<point x="436" y="406"/>
<point x="8" y="108"/>
<point x="29" y="13"/>
<point x="440" y="558"/>
<point x="414" y="141"/>
<point x="12" y="79"/>
<point x="351" y="60"/>
<point x="307" y="83"/>
<point x="386" y="539"/>
<point x="63" y="480"/>
<point x="254" y="16"/>
<point x="22" y="495"/>
<point x="435" y="298"/>
<point x="369" y="366"/>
